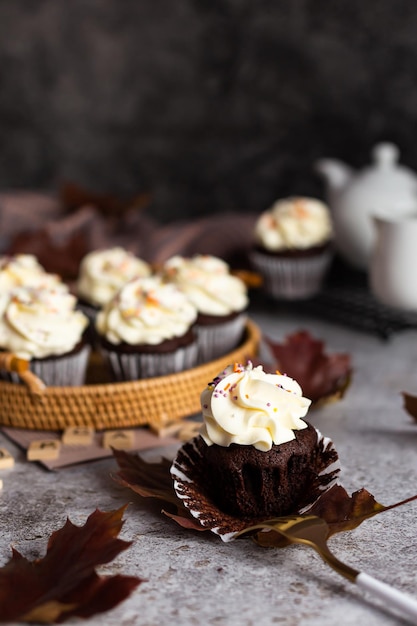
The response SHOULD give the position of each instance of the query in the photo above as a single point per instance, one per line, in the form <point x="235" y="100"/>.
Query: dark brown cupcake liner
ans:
<point x="187" y="472"/>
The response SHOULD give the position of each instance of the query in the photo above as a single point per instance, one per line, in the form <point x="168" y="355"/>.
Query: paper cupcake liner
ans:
<point x="9" y="377"/>
<point x="63" y="371"/>
<point x="189" y="484"/>
<point x="59" y="371"/>
<point x="218" y="339"/>
<point x="135" y="366"/>
<point x="89" y="310"/>
<point x="292" y="278"/>
<point x="91" y="313"/>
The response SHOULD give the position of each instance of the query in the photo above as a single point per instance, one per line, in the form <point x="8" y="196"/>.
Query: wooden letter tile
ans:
<point x="119" y="439"/>
<point x="189" y="430"/>
<point x="6" y="459"/>
<point x="43" y="450"/>
<point x="78" y="436"/>
<point x="168" y="430"/>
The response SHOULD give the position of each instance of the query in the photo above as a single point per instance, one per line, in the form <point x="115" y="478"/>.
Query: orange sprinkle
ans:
<point x="278" y="373"/>
<point x="246" y="395"/>
<point x="151" y="300"/>
<point x="301" y="210"/>
<point x="227" y="387"/>
<point x="236" y="367"/>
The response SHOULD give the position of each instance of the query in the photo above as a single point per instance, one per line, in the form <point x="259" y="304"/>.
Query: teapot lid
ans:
<point x="387" y="172"/>
<point x="385" y="154"/>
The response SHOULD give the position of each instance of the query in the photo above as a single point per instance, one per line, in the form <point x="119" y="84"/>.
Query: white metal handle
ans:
<point x="397" y="599"/>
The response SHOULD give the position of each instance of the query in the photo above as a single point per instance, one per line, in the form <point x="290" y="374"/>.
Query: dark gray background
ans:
<point x="211" y="105"/>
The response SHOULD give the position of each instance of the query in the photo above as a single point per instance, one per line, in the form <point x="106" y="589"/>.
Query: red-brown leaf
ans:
<point x="410" y="405"/>
<point x="341" y="512"/>
<point x="153" y="480"/>
<point x="64" y="583"/>
<point x="321" y="376"/>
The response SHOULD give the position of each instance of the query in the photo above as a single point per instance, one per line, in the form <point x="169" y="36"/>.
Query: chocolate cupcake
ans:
<point x="43" y="327"/>
<point x="102" y="273"/>
<point x="146" y="330"/>
<point x="261" y="484"/>
<point x="256" y="457"/>
<point x="24" y="270"/>
<point x="293" y="247"/>
<point x="220" y="298"/>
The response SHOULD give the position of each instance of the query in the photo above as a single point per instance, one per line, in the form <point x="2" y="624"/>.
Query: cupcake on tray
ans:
<point x="293" y="247"/>
<point x="147" y="330"/>
<point x="24" y="270"/>
<point x="42" y="326"/>
<point x="257" y="457"/>
<point x="102" y="273"/>
<point x="220" y="298"/>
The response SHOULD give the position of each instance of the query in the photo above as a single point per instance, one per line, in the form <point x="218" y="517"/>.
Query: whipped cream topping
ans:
<point x="294" y="223"/>
<point x="38" y="323"/>
<point x="103" y="272"/>
<point x="146" y="311"/>
<point x="24" y="270"/>
<point x="207" y="282"/>
<point x="247" y="406"/>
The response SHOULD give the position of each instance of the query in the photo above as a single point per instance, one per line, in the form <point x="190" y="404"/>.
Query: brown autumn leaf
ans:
<point x="64" y="584"/>
<point x="74" y="196"/>
<point x="58" y="257"/>
<point x="410" y="404"/>
<point x="322" y="377"/>
<point x="153" y="480"/>
<point x="353" y="511"/>
<point x="341" y="511"/>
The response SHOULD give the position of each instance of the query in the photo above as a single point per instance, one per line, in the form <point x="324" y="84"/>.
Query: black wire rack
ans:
<point x="346" y="299"/>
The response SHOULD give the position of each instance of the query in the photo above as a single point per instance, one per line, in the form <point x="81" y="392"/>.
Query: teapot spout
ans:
<point x="335" y="173"/>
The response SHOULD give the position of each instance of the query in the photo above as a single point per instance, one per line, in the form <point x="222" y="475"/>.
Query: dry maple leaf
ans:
<point x="410" y="404"/>
<point x="322" y="377"/>
<point x="64" y="583"/>
<point x="340" y="510"/>
<point x="153" y="480"/>
<point x="74" y="196"/>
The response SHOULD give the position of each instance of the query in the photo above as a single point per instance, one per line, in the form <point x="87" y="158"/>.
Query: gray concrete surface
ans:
<point x="195" y="579"/>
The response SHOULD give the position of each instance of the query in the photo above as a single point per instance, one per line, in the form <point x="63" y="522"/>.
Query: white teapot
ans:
<point x="383" y="188"/>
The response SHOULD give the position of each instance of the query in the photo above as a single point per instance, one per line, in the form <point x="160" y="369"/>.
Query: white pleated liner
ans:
<point x="215" y="340"/>
<point x="292" y="278"/>
<point x="63" y="371"/>
<point x="135" y="366"/>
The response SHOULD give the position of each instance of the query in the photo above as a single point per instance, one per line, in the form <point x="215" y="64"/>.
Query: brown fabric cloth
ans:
<point x="39" y="223"/>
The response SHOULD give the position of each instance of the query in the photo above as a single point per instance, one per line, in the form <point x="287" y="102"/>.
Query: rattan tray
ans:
<point x="118" y="405"/>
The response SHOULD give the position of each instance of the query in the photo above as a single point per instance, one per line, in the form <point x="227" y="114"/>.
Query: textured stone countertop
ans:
<point x="194" y="579"/>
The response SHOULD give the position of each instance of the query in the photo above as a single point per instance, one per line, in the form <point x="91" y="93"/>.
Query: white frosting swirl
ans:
<point x="103" y="272"/>
<point x="247" y="406"/>
<point x="38" y="323"/>
<point x="207" y="282"/>
<point x="146" y="311"/>
<point x="294" y="223"/>
<point x="24" y="270"/>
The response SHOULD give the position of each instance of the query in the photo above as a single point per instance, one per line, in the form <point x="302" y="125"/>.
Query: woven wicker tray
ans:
<point x="118" y="405"/>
